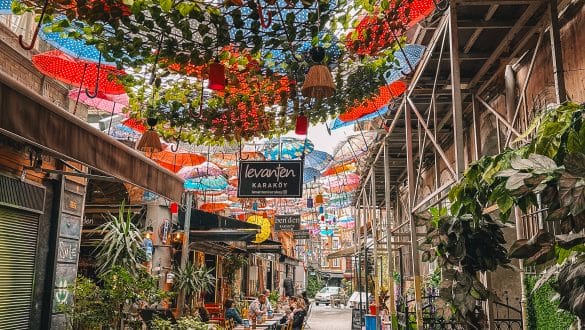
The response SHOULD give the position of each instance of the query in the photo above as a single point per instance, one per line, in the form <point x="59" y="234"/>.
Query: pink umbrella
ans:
<point x="201" y="170"/>
<point x="105" y="102"/>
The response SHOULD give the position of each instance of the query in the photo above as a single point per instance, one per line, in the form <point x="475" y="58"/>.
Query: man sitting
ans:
<point x="258" y="308"/>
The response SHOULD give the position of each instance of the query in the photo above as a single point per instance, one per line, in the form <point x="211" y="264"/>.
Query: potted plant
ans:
<point x="193" y="281"/>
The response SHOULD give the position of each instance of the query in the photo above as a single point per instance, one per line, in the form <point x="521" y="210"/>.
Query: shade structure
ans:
<point x="227" y="160"/>
<point x="206" y="226"/>
<point x="77" y="48"/>
<point x="105" y="102"/>
<point x="318" y="160"/>
<point x="202" y="170"/>
<point x="352" y="147"/>
<point x="217" y="182"/>
<point x="67" y="69"/>
<point x="310" y="174"/>
<point x="213" y="207"/>
<point x="382" y="98"/>
<point x="338" y="123"/>
<point x="338" y="169"/>
<point x="174" y="161"/>
<point x="5" y="7"/>
<point x="287" y="148"/>
<point x="407" y="58"/>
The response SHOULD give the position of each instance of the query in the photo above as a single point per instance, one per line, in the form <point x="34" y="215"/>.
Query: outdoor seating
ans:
<point x="306" y="320"/>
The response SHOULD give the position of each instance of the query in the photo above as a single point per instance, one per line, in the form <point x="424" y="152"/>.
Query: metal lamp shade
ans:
<point x="216" y="76"/>
<point x="302" y="125"/>
<point x="149" y="142"/>
<point x="318" y="82"/>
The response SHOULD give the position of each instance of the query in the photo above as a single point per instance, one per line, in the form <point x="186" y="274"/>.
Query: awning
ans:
<point x="205" y="226"/>
<point x="267" y="246"/>
<point x="29" y="117"/>
<point x="215" y="248"/>
<point x="347" y="252"/>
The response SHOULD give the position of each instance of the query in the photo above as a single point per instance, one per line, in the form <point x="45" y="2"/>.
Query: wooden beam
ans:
<point x="488" y="16"/>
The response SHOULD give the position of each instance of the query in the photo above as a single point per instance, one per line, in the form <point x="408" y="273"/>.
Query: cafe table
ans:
<point x="268" y="324"/>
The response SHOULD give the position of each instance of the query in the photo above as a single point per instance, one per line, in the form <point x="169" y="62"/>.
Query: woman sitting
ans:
<point x="231" y="312"/>
<point x="296" y="316"/>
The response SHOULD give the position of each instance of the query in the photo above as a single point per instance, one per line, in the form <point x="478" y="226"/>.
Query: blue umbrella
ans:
<point x="310" y="174"/>
<point x="73" y="47"/>
<point x="318" y="160"/>
<point x="338" y="123"/>
<point x="408" y="59"/>
<point x="5" y="7"/>
<point x="287" y="148"/>
<point x="206" y="183"/>
<point x="123" y="132"/>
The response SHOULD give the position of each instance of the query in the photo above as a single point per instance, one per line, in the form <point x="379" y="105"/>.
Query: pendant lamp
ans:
<point x="318" y="81"/>
<point x="321" y="209"/>
<point x="149" y="141"/>
<point x="302" y="125"/>
<point x="319" y="199"/>
<point x="216" y="76"/>
<point x="309" y="203"/>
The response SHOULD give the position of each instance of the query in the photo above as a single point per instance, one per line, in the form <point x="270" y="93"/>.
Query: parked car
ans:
<point x="324" y="295"/>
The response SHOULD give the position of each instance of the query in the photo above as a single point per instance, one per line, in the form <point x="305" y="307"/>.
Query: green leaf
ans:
<point x="166" y="5"/>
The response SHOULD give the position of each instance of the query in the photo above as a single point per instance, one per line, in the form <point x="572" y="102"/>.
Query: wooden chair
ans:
<point x="229" y="324"/>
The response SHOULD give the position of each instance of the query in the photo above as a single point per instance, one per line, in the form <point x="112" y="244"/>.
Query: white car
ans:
<point x="324" y="295"/>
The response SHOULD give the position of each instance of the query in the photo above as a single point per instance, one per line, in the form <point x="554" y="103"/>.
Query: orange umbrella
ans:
<point x="174" y="161"/>
<point x="233" y="181"/>
<point x="213" y="207"/>
<point x="333" y="170"/>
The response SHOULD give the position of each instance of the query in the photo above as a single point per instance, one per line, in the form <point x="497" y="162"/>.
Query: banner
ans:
<point x="287" y="222"/>
<point x="301" y="234"/>
<point x="273" y="179"/>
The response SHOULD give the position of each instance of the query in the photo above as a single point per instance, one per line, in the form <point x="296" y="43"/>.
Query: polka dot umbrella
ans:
<point x="310" y="174"/>
<point x="76" y="48"/>
<point x="287" y="148"/>
<point x="5" y="7"/>
<point x="105" y="102"/>
<point x="382" y="98"/>
<point x="338" y="123"/>
<point x="318" y="160"/>
<point x="408" y="58"/>
<point x="90" y="75"/>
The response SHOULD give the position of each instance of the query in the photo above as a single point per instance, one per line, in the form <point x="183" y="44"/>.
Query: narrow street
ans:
<point x="328" y="318"/>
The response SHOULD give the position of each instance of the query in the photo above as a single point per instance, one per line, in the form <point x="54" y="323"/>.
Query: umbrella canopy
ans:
<point x="202" y="170"/>
<point x="135" y="124"/>
<point x="287" y="148"/>
<point x="213" y="207"/>
<point x="205" y="183"/>
<point x="77" y="48"/>
<point x="353" y="147"/>
<point x="338" y="169"/>
<point x="123" y="132"/>
<point x="384" y="96"/>
<point x="110" y="103"/>
<point x="338" y="123"/>
<point x="310" y="174"/>
<point x="5" y="7"/>
<point x="407" y="58"/>
<point x="227" y="160"/>
<point x="318" y="160"/>
<point x="65" y="68"/>
<point x="174" y="161"/>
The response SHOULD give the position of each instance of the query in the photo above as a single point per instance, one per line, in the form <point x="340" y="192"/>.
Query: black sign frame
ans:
<point x="293" y="185"/>
<point x="288" y="222"/>
<point x="301" y="234"/>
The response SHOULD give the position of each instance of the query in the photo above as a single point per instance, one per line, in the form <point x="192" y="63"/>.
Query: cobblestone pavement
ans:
<point x="328" y="318"/>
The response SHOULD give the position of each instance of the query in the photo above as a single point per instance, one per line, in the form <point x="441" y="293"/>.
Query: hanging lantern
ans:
<point x="318" y="82"/>
<point x="302" y="125"/>
<point x="216" y="76"/>
<point x="321" y="209"/>
<point x="319" y="199"/>
<point x="309" y="203"/>
<point x="149" y="141"/>
<point x="174" y="207"/>
<point x="255" y="206"/>
<point x="322" y="218"/>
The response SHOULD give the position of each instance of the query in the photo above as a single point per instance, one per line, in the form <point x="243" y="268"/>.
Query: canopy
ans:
<point x="5" y="6"/>
<point x="20" y="104"/>
<point x="268" y="246"/>
<point x="207" y="226"/>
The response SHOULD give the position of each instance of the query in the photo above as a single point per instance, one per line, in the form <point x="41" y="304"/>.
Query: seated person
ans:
<point x="203" y="314"/>
<point x="296" y="316"/>
<point x="258" y="308"/>
<point x="231" y="312"/>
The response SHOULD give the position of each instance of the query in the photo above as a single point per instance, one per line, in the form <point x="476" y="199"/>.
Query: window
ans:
<point x="324" y="261"/>
<point x="335" y="243"/>
<point x="336" y="262"/>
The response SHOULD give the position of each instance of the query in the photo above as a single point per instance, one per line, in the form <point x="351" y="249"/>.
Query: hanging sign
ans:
<point x="274" y="179"/>
<point x="287" y="222"/>
<point x="301" y="234"/>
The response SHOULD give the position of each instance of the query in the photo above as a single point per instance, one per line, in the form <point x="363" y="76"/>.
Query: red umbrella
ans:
<point x="90" y="75"/>
<point x="174" y="161"/>
<point x="385" y="95"/>
<point x="135" y="124"/>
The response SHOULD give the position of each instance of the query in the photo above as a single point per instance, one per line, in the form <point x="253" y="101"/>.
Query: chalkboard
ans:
<point x="301" y="234"/>
<point x="287" y="222"/>
<point x="355" y="319"/>
<point x="275" y="179"/>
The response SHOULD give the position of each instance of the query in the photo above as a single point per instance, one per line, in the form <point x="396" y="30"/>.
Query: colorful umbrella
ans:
<point x="213" y="207"/>
<point x="353" y="147"/>
<point x="205" y="183"/>
<point x="73" y="47"/>
<point x="174" y="161"/>
<point x="346" y="222"/>
<point x="135" y="124"/>
<point x="408" y="58"/>
<point x="338" y="123"/>
<point x="202" y="170"/>
<point x="122" y="132"/>
<point x="227" y="160"/>
<point x="5" y="7"/>
<point x="90" y="75"/>
<point x="338" y="169"/>
<point x="318" y="160"/>
<point x="382" y="98"/>
<point x="310" y="174"/>
<point x="287" y="148"/>
<point x="105" y="102"/>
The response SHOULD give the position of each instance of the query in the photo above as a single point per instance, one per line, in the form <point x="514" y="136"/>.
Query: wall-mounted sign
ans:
<point x="287" y="222"/>
<point x="301" y="234"/>
<point x="275" y="179"/>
